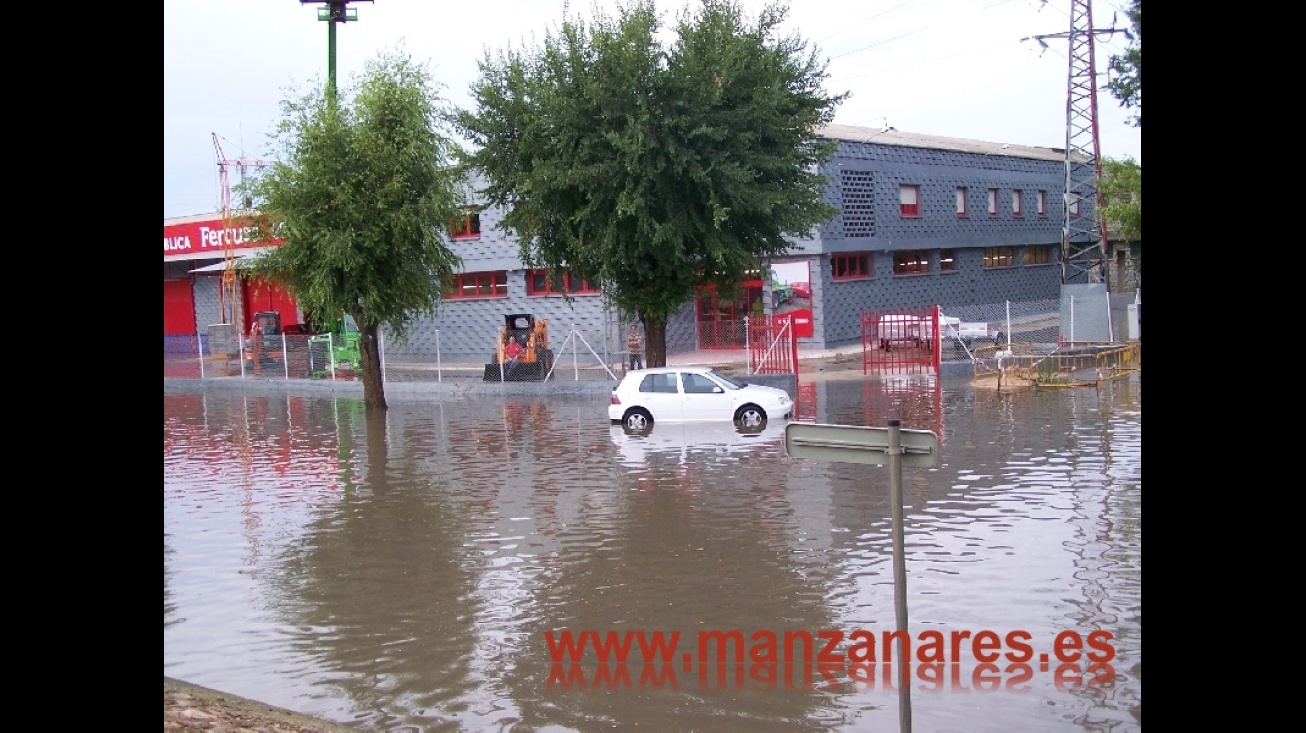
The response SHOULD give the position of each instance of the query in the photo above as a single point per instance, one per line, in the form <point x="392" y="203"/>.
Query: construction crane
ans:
<point x="229" y="292"/>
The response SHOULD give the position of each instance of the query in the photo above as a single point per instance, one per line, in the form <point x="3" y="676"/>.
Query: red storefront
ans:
<point x="193" y="263"/>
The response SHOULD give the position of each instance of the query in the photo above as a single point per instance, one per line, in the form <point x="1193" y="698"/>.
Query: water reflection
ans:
<point x="403" y="572"/>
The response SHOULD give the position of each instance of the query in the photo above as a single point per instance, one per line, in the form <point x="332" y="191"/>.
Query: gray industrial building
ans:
<point x="923" y="220"/>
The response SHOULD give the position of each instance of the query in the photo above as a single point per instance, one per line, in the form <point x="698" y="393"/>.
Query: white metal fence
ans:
<point x="219" y="353"/>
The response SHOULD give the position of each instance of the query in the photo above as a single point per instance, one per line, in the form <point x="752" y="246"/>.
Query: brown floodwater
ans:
<point x="407" y="573"/>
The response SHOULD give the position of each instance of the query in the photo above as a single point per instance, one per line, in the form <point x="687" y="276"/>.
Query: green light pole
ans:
<point x="333" y="12"/>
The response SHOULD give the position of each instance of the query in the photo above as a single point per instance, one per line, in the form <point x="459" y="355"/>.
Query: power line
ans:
<point x="867" y="20"/>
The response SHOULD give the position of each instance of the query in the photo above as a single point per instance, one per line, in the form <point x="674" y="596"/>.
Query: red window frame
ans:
<point x="993" y="202"/>
<point x="850" y="267"/>
<point x="468" y="285"/>
<point x="911" y="262"/>
<point x="542" y="282"/>
<point x="962" y="194"/>
<point x="912" y="209"/>
<point x="469" y="227"/>
<point x="1042" y="203"/>
<point x="1017" y="203"/>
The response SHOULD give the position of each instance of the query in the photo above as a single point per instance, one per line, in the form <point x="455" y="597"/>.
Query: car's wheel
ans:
<point x="751" y="417"/>
<point x="637" y="420"/>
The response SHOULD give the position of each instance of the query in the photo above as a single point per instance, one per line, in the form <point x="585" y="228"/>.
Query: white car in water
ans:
<point x="691" y="394"/>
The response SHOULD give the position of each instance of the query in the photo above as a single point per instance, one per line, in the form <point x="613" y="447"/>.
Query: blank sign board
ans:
<point x="857" y="444"/>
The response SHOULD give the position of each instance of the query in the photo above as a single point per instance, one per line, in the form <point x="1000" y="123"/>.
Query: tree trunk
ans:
<point x="369" y="352"/>
<point x="655" y="342"/>
<point x="378" y="451"/>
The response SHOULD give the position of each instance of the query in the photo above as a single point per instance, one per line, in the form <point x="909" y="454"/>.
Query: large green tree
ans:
<point x="362" y="196"/>
<point x="655" y="164"/>
<point x="1122" y="192"/>
<point x="1127" y="68"/>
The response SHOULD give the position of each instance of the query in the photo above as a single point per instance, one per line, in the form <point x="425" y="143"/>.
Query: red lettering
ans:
<point x="612" y="678"/>
<point x="1021" y="652"/>
<point x="957" y="638"/>
<point x="765" y="675"/>
<point x="658" y="647"/>
<point x="901" y="636"/>
<point x="573" y="675"/>
<point x="932" y="676"/>
<point x="862" y="673"/>
<point x="1067" y="640"/>
<point x="1099" y="640"/>
<point x="983" y="643"/>
<point x="659" y="676"/>
<point x="863" y="651"/>
<point x="829" y="673"/>
<point x="1067" y="677"/>
<point x="565" y="646"/>
<point x="720" y="637"/>
<point x="828" y="654"/>
<point x="613" y="644"/>
<point x="1102" y="674"/>
<point x="987" y="677"/>
<point x="764" y="653"/>
<point x="1021" y="673"/>
<point x="932" y="649"/>
<point x="806" y="638"/>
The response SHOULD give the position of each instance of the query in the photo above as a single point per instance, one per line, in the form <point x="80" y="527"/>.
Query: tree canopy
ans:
<point x="1122" y="191"/>
<point x="655" y="166"/>
<point x="1127" y="68"/>
<point x="362" y="196"/>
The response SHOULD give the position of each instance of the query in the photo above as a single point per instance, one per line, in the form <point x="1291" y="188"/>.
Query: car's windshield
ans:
<point x="725" y="381"/>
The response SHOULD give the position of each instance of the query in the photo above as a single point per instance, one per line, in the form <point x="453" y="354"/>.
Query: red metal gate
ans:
<point x="901" y="341"/>
<point x="772" y="346"/>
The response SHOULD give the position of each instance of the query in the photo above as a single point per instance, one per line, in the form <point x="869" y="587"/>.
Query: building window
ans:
<point x="468" y="226"/>
<point x="477" y="285"/>
<point x="947" y="260"/>
<point x="1042" y="203"/>
<point x="850" y="267"/>
<point x="993" y="202"/>
<point x="1038" y="254"/>
<point x="909" y="198"/>
<point x="1074" y="204"/>
<point x="910" y="262"/>
<point x="961" y="200"/>
<point x="999" y="257"/>
<point x="542" y="282"/>
<point x="1016" y="202"/>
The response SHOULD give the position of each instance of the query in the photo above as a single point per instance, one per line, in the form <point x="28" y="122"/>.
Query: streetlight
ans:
<point x="333" y="11"/>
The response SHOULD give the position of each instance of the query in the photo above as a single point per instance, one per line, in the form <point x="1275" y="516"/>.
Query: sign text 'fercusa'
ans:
<point x="205" y="236"/>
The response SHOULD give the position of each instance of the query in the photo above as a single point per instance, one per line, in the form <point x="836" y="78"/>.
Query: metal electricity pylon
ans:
<point x="1083" y="232"/>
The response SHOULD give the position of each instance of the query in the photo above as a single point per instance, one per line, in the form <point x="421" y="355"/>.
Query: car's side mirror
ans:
<point x="717" y="390"/>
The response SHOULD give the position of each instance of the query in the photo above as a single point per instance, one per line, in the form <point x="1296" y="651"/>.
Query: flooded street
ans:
<point x="425" y="571"/>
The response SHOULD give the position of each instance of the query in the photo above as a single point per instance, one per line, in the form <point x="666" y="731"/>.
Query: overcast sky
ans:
<point x="944" y="67"/>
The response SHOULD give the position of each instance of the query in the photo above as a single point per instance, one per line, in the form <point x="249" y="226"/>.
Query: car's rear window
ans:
<point x="659" y="383"/>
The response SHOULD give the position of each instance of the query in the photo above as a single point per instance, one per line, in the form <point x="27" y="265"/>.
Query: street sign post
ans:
<point x="892" y="447"/>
